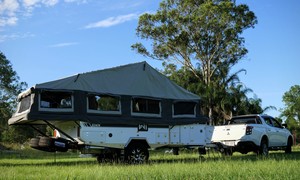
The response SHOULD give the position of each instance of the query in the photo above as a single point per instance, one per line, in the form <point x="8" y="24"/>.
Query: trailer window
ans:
<point x="56" y="101"/>
<point x="103" y="104"/>
<point x="184" y="109"/>
<point x="146" y="107"/>
<point x="24" y="104"/>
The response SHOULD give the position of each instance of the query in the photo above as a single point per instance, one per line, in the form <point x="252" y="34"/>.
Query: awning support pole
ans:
<point x="53" y="127"/>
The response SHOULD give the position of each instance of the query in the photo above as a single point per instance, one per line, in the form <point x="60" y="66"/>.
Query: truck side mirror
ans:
<point x="284" y="125"/>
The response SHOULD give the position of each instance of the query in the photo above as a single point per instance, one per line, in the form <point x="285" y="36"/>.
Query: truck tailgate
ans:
<point x="228" y="132"/>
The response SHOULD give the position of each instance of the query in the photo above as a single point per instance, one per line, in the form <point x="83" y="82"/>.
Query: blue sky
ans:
<point x="50" y="39"/>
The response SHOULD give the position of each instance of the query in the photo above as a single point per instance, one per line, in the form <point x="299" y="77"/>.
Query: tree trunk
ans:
<point x="210" y="116"/>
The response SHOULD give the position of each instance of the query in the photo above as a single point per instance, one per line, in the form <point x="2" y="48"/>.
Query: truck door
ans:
<point x="280" y="134"/>
<point x="271" y="132"/>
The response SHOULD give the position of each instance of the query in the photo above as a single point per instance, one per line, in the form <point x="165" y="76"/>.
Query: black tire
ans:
<point x="175" y="151"/>
<point x="263" y="148"/>
<point x="136" y="154"/>
<point x="288" y="148"/>
<point x="34" y="142"/>
<point x="101" y="158"/>
<point x="228" y="152"/>
<point x="201" y="151"/>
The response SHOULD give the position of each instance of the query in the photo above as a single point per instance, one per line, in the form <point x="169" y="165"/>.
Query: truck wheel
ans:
<point x="263" y="148"/>
<point x="288" y="148"/>
<point x="136" y="154"/>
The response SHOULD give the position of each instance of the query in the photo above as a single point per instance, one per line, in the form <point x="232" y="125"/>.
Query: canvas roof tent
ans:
<point x="133" y="80"/>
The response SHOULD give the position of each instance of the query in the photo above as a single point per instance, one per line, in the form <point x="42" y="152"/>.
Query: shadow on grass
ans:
<point x="65" y="163"/>
<point x="76" y="161"/>
<point x="278" y="155"/>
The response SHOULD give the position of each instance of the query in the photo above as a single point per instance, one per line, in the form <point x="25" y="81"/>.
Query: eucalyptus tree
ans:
<point x="197" y="33"/>
<point x="10" y="87"/>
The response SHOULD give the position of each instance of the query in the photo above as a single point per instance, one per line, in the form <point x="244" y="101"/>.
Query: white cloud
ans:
<point x="49" y="2"/>
<point x="8" y="21"/>
<point x="63" y="44"/>
<point x="29" y="3"/>
<point x="76" y="1"/>
<point x="15" y="36"/>
<point x="8" y="9"/>
<point x="112" y="21"/>
<point x="32" y="3"/>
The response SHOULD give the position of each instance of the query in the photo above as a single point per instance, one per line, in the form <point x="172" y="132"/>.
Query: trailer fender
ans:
<point x="141" y="141"/>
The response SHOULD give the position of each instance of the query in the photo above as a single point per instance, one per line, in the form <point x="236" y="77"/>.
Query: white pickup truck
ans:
<point x="256" y="133"/>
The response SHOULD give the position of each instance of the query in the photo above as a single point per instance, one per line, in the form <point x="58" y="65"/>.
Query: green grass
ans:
<point x="31" y="164"/>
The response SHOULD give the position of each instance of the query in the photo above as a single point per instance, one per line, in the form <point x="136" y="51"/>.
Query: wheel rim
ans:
<point x="138" y="156"/>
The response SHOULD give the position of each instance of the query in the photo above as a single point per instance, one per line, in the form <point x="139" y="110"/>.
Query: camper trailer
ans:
<point x="116" y="113"/>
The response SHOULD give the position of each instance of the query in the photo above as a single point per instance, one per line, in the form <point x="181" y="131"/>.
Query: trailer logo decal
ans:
<point x="142" y="127"/>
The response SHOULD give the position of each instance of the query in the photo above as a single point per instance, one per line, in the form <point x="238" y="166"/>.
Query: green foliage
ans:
<point x="17" y="134"/>
<point x="10" y="87"/>
<point x="291" y="111"/>
<point x="205" y="37"/>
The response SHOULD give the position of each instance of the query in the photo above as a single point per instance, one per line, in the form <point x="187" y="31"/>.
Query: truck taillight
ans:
<point x="249" y="130"/>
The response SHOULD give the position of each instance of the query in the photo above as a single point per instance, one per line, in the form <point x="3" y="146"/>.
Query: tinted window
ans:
<point x="55" y="100"/>
<point x="103" y="103"/>
<point x="184" y="108"/>
<point x="268" y="121"/>
<point x="245" y="120"/>
<point x="274" y="122"/>
<point x="142" y="105"/>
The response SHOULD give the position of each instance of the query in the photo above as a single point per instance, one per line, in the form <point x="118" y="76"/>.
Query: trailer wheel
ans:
<point x="101" y="158"/>
<point x="136" y="154"/>
<point x="263" y="148"/>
